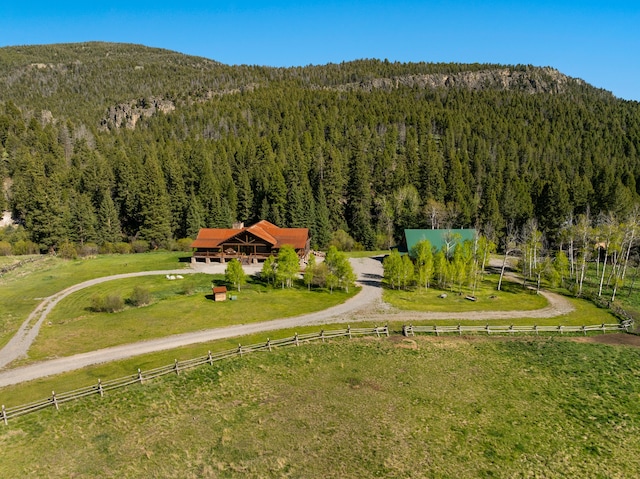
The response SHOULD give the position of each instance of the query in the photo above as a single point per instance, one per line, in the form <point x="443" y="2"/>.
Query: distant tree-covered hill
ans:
<point x="102" y="143"/>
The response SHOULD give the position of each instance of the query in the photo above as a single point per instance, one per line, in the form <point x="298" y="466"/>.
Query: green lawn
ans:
<point x="512" y="297"/>
<point x="22" y="289"/>
<point x="584" y="314"/>
<point x="178" y="306"/>
<point x="420" y="407"/>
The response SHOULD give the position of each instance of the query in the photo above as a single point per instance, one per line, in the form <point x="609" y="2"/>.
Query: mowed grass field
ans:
<point x="511" y="297"/>
<point x="390" y="407"/>
<point x="22" y="289"/>
<point x="177" y="306"/>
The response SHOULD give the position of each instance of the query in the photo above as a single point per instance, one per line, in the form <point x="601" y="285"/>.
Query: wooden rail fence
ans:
<point x="410" y="330"/>
<point x="55" y="400"/>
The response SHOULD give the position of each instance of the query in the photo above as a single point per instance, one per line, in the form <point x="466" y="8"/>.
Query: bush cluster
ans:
<point x="111" y="303"/>
<point x="140" y="297"/>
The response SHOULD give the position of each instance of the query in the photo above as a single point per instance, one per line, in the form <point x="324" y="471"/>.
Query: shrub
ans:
<point x="88" y="249"/>
<point x="140" y="246"/>
<point x="344" y="242"/>
<point x="25" y="247"/>
<point x="184" y="244"/>
<point x="140" y="297"/>
<point x="5" y="248"/>
<point x="122" y="248"/>
<point x="67" y="251"/>
<point x="107" y="248"/>
<point x="107" y="304"/>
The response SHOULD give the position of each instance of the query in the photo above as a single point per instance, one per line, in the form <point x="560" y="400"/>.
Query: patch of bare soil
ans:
<point x="613" y="339"/>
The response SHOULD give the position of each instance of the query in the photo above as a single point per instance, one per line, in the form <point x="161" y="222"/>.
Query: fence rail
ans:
<point x="100" y="388"/>
<point x="56" y="399"/>
<point x="410" y="330"/>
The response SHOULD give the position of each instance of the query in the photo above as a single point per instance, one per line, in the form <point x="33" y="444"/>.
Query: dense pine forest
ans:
<point x="105" y="144"/>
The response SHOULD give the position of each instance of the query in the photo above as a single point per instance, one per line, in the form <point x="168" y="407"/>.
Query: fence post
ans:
<point x="210" y="358"/>
<point x="269" y="344"/>
<point x="55" y="401"/>
<point x="240" y="349"/>
<point x="377" y="332"/>
<point x="487" y="329"/>
<point x="175" y="365"/>
<point x="459" y="330"/>
<point x="435" y="328"/>
<point x="560" y="329"/>
<point x="386" y="329"/>
<point x="100" y="390"/>
<point x="584" y="329"/>
<point x="4" y="415"/>
<point x="535" y="328"/>
<point x="139" y="375"/>
<point x="603" y="328"/>
<point x="295" y="337"/>
<point x="349" y="331"/>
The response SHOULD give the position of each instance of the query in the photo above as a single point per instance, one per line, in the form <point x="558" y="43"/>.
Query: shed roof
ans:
<point x="219" y="289"/>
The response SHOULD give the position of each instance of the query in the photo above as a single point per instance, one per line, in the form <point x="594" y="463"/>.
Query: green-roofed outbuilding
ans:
<point x="438" y="238"/>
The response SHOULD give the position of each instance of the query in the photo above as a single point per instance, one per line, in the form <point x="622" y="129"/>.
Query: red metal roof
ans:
<point x="274" y="235"/>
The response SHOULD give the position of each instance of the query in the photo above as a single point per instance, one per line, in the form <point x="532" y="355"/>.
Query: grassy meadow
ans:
<point x="397" y="407"/>
<point x="177" y="306"/>
<point x="511" y="297"/>
<point x="22" y="289"/>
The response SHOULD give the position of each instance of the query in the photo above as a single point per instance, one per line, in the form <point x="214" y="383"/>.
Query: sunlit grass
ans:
<point x="511" y="297"/>
<point x="398" y="407"/>
<point x="22" y="289"/>
<point x="178" y="306"/>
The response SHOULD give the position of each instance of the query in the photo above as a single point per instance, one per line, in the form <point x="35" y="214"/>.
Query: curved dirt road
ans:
<point x="365" y="306"/>
<point x="19" y="344"/>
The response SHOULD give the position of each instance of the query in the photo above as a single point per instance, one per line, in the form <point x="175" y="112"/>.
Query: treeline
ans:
<point x="369" y="163"/>
<point x="598" y="257"/>
<point x="458" y="265"/>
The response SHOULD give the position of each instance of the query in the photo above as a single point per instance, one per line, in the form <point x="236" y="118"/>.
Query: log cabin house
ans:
<point x="250" y="244"/>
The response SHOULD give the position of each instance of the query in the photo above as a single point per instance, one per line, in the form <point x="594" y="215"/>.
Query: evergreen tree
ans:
<point x="155" y="212"/>
<point x="195" y="217"/>
<point x="322" y="229"/>
<point x="108" y="230"/>
<point x="358" y="211"/>
<point x="83" y="221"/>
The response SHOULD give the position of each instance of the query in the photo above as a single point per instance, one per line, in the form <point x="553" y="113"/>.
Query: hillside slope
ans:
<point x="109" y="142"/>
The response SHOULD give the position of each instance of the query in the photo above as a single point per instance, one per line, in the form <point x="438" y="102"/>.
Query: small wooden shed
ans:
<point x="219" y="293"/>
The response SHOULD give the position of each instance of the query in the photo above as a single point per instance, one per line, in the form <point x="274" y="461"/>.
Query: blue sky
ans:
<point x="598" y="41"/>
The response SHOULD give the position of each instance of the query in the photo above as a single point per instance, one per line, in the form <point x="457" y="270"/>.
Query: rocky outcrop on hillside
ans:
<point x="529" y="80"/>
<point x="127" y="114"/>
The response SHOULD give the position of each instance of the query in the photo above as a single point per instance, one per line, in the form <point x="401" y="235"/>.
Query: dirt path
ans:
<point x="20" y="343"/>
<point x="365" y="306"/>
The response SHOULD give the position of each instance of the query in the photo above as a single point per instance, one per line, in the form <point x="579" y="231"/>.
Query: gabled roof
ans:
<point x="272" y="234"/>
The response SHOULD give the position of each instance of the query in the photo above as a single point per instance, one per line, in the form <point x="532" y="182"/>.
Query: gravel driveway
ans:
<point x="365" y="306"/>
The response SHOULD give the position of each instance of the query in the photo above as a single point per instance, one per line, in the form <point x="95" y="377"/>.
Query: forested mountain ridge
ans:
<point x="81" y="80"/>
<point x="368" y="146"/>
